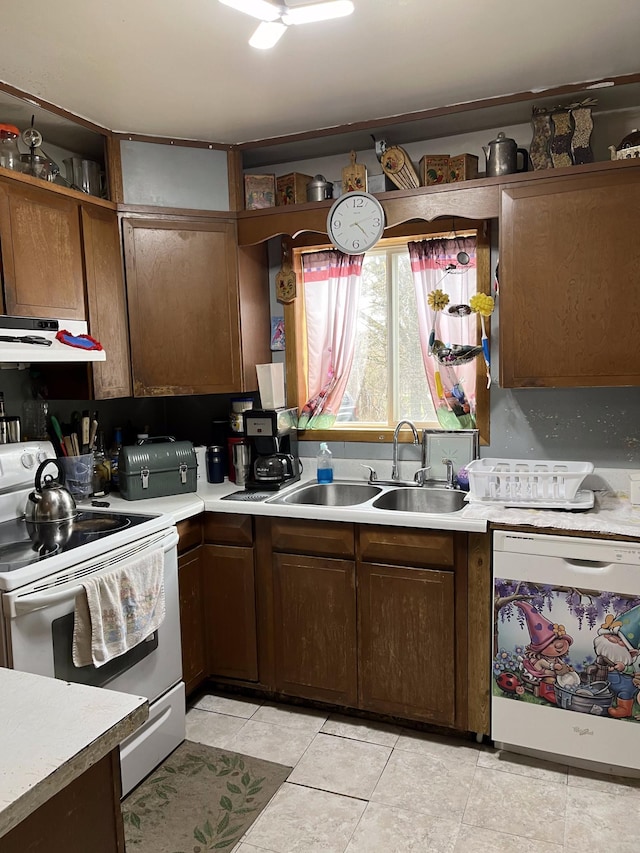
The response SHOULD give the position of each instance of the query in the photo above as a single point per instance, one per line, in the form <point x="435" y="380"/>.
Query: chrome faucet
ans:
<point x="451" y="483"/>
<point x="394" y="465"/>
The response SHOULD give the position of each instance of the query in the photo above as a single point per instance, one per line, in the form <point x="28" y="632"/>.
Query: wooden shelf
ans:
<point x="478" y="199"/>
<point x="30" y="181"/>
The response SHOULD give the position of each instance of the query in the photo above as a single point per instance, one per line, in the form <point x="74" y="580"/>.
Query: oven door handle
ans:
<point x="36" y="601"/>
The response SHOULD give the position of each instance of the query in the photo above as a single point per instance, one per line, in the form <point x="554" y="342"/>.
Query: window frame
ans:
<point x="295" y="327"/>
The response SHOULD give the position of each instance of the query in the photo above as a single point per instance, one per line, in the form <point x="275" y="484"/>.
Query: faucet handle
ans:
<point x="419" y="476"/>
<point x="372" y="473"/>
<point x="451" y="480"/>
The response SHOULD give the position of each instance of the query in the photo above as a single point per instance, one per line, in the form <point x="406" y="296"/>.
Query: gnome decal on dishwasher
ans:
<point x="576" y="650"/>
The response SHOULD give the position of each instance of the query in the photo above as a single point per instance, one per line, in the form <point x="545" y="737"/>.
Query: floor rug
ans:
<point x="200" y="798"/>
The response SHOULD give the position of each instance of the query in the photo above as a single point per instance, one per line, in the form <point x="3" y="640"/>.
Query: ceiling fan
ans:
<point x="276" y="17"/>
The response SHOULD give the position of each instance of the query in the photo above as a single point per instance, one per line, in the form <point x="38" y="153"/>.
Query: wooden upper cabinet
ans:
<point x="41" y="248"/>
<point x="107" y="301"/>
<point x="569" y="260"/>
<point x="182" y="287"/>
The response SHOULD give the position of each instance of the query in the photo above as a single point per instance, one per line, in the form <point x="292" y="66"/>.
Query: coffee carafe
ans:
<point x="273" y="440"/>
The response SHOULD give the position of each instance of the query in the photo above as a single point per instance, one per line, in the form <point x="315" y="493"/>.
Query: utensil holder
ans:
<point x="78" y="473"/>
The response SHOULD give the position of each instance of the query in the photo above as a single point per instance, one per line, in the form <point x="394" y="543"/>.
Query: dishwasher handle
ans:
<point x="593" y="567"/>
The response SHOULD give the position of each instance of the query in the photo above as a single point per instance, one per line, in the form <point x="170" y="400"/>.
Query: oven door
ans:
<point x="39" y="626"/>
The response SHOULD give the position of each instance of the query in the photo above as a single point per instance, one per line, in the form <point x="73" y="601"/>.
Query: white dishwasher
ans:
<point x="566" y="634"/>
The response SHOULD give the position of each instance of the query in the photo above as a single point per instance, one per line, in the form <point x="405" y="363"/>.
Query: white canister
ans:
<point x="201" y="462"/>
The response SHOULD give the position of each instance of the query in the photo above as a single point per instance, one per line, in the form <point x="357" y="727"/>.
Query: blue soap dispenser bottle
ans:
<point x="324" y="464"/>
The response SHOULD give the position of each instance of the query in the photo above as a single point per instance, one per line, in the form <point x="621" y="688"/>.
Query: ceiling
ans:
<point x="185" y="69"/>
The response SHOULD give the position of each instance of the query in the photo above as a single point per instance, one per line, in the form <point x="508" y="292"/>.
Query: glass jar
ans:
<point x="34" y="419"/>
<point x="100" y="483"/>
<point x="9" y="153"/>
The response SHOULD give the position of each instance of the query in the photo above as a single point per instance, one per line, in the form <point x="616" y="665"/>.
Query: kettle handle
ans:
<point x="60" y="478"/>
<point x="525" y="159"/>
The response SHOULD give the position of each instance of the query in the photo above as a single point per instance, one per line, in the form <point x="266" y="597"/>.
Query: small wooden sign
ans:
<point x="285" y="277"/>
<point x="354" y="176"/>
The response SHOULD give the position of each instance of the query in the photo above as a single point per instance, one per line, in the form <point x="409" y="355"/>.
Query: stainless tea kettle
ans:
<point x="319" y="189"/>
<point x="502" y="156"/>
<point x="50" y="501"/>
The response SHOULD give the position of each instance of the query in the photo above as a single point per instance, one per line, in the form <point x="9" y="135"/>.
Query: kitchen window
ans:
<point x="356" y="381"/>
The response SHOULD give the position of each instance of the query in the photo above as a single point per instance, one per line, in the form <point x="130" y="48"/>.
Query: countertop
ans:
<point x="613" y="514"/>
<point x="51" y="731"/>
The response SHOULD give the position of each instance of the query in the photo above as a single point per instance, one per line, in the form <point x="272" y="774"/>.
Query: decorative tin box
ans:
<point x="292" y="189"/>
<point x="156" y="469"/>
<point x="434" y="169"/>
<point x="259" y="191"/>
<point x="463" y="167"/>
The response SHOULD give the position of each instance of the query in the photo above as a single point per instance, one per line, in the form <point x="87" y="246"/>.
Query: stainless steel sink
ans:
<point x="421" y="500"/>
<point x="330" y="494"/>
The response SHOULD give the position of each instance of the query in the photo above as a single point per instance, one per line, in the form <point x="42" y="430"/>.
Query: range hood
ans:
<point x="21" y="353"/>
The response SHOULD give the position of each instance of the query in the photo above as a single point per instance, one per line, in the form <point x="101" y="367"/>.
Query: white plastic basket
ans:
<point x="526" y="480"/>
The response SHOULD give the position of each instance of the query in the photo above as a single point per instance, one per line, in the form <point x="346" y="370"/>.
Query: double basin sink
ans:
<point x="394" y="498"/>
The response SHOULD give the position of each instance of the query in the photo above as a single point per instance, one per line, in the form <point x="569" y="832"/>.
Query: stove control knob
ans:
<point x="41" y="456"/>
<point x="27" y="460"/>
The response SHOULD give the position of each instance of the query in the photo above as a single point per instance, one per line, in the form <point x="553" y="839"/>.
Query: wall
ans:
<point x="174" y="175"/>
<point x="600" y="425"/>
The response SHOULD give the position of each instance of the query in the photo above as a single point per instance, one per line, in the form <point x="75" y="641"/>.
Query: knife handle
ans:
<point x="85" y="432"/>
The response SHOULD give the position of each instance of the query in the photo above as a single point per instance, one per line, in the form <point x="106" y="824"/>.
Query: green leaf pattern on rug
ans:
<point x="218" y="831"/>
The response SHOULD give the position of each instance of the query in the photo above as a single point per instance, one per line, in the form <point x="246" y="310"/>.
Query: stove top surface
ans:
<point x="23" y="543"/>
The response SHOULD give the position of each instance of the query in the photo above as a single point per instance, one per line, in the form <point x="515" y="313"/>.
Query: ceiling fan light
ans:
<point x="317" y="12"/>
<point x="267" y="35"/>
<point x="256" y="8"/>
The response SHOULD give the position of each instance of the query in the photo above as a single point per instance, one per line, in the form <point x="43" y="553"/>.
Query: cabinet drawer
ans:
<point x="317" y="538"/>
<point x="228" y="529"/>
<point x="190" y="533"/>
<point x="403" y="546"/>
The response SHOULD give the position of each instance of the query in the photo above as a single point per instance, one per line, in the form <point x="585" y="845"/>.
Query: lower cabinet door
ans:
<point x="191" y="619"/>
<point x="230" y="611"/>
<point x="315" y="628"/>
<point x="407" y="642"/>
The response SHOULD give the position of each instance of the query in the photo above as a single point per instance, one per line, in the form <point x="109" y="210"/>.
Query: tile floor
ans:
<point x="360" y="787"/>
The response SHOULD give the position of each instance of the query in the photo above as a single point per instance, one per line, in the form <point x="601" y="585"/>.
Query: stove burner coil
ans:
<point x="104" y="524"/>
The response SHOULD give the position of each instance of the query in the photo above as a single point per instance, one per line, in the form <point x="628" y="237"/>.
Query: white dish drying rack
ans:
<point x="526" y="481"/>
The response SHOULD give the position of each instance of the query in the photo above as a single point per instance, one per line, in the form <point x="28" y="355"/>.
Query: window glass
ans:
<point x="380" y="357"/>
<point x="387" y="381"/>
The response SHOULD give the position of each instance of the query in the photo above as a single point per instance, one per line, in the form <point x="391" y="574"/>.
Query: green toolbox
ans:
<point x="156" y="468"/>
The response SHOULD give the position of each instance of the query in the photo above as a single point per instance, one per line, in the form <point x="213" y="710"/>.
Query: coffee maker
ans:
<point x="273" y="442"/>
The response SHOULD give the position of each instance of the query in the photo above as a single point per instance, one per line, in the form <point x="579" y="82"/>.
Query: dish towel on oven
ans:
<point x="119" y="610"/>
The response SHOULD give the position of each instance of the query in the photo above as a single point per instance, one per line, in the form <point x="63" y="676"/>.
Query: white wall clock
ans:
<point x="355" y="222"/>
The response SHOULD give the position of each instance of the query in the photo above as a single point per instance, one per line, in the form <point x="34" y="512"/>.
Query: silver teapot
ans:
<point x="50" y="501"/>
<point x="319" y="189"/>
<point x="502" y="156"/>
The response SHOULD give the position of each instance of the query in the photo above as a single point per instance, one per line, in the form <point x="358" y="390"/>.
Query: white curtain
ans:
<point x="331" y="287"/>
<point x="454" y="395"/>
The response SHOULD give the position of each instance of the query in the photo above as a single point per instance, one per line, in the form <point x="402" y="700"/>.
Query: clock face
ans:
<point x="355" y="222"/>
